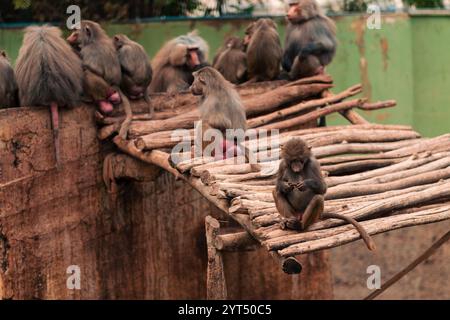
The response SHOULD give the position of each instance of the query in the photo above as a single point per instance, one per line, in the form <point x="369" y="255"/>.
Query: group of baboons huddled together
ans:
<point x="89" y="65"/>
<point x="310" y="45"/>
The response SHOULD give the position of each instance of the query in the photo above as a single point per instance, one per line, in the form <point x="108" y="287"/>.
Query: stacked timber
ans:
<point x="385" y="176"/>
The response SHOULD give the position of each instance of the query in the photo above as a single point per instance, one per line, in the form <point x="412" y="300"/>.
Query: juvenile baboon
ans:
<point x="136" y="70"/>
<point x="49" y="73"/>
<point x="8" y="86"/>
<point x="231" y="60"/>
<point x="176" y="60"/>
<point x="300" y="189"/>
<point x="220" y="108"/>
<point x="310" y="40"/>
<point x="102" y="71"/>
<point x="264" y="51"/>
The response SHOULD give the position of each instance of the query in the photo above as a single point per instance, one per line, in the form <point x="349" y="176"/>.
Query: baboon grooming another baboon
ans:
<point x="264" y="51"/>
<point x="136" y="70"/>
<point x="310" y="40"/>
<point x="8" y="86"/>
<point x="102" y="71"/>
<point x="231" y="60"/>
<point x="221" y="109"/>
<point x="175" y="61"/>
<point x="49" y="73"/>
<point x="300" y="189"/>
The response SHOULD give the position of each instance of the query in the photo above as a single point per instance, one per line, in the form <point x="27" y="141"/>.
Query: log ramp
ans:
<point x="385" y="176"/>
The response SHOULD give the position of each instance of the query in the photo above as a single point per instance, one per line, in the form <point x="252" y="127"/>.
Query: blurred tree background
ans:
<point x="121" y="10"/>
<point x="117" y="10"/>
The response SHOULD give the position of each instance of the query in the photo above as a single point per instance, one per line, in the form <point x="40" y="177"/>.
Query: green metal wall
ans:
<point x="407" y="60"/>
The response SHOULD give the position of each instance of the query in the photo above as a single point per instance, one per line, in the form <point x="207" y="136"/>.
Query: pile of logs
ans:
<point x="387" y="182"/>
<point x="385" y="176"/>
<point x="272" y="105"/>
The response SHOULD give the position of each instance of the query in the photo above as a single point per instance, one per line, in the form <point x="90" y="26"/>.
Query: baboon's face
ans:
<point x="198" y="84"/>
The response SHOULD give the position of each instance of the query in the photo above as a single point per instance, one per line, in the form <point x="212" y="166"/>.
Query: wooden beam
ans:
<point x="215" y="281"/>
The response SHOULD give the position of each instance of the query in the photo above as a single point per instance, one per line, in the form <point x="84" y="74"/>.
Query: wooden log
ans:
<point x="363" y="136"/>
<point x="314" y="115"/>
<point x="263" y="103"/>
<point x="359" y="166"/>
<point x="274" y="99"/>
<point x="160" y="115"/>
<point x="409" y="163"/>
<point x="413" y="171"/>
<point x="266" y="220"/>
<point x="346" y="191"/>
<point x="215" y="279"/>
<point x="372" y="227"/>
<point x="303" y="107"/>
<point x="207" y="162"/>
<point x="434" y="193"/>
<point x="381" y="196"/>
<point x="354" y="117"/>
<point x="289" y="265"/>
<point x="154" y="157"/>
<point x="183" y="101"/>
<point x="282" y="239"/>
<point x="374" y="150"/>
<point x="238" y="241"/>
<point x="434" y="145"/>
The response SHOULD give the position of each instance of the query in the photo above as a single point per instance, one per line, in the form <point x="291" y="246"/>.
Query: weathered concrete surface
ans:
<point x="150" y="244"/>
<point x="395" y="250"/>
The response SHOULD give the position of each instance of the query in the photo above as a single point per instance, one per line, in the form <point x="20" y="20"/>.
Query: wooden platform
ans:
<point x="387" y="176"/>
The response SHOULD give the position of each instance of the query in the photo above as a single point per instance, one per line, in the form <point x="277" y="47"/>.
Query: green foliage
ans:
<point x="113" y="10"/>
<point x="424" y="4"/>
<point x="355" y="5"/>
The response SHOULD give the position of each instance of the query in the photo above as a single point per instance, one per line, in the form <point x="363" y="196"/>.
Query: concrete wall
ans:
<point x="405" y="60"/>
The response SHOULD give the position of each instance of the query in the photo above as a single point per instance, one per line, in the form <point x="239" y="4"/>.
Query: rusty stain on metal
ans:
<point x="359" y="26"/>
<point x="384" y="44"/>
<point x="136" y="30"/>
<point x="382" y="116"/>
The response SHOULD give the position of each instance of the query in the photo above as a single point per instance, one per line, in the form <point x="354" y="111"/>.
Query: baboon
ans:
<point x="264" y="51"/>
<point x="8" y="86"/>
<point x="49" y="73"/>
<point x="221" y="108"/>
<point x="231" y="60"/>
<point x="176" y="60"/>
<point x="310" y="40"/>
<point x="300" y="189"/>
<point x="136" y="70"/>
<point x="102" y="71"/>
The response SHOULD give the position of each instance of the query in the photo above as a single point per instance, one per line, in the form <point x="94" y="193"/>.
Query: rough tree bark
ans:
<point x="150" y="246"/>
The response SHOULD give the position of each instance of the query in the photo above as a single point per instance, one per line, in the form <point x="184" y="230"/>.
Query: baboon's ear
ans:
<point x="3" y="53"/>
<point x="201" y="79"/>
<point x="88" y="31"/>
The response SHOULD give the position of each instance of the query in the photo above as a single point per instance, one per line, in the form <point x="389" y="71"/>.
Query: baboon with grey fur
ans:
<point x="48" y="73"/>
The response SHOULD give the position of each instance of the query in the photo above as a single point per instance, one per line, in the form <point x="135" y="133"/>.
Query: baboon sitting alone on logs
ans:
<point x="221" y="109"/>
<point x="231" y="60"/>
<point x="102" y="71"/>
<point x="136" y="70"/>
<point x="8" y="86"/>
<point x="49" y="73"/>
<point x="310" y="40"/>
<point x="175" y="62"/>
<point x="264" y="51"/>
<point x="300" y="189"/>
